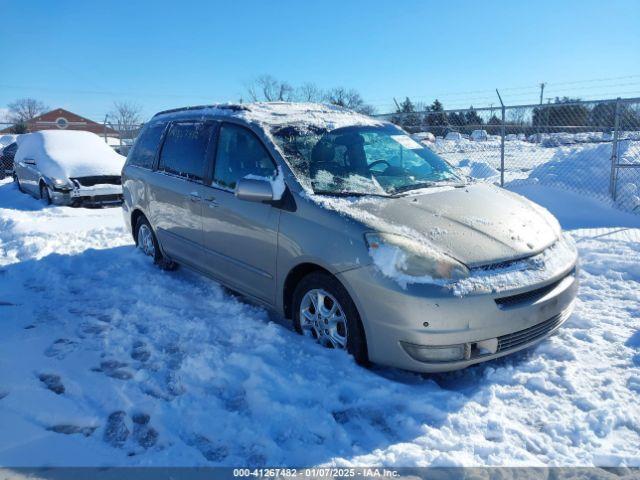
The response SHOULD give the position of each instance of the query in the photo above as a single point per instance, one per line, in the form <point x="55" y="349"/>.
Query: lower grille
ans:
<point x="527" y="298"/>
<point x="100" y="199"/>
<point x="513" y="340"/>
<point x="98" y="180"/>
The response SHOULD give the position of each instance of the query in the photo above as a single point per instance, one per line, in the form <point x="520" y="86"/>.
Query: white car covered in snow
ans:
<point x="68" y="168"/>
<point x="479" y="135"/>
<point x="453" y="136"/>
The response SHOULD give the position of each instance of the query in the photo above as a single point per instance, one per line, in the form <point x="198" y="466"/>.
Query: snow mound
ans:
<point x="69" y="153"/>
<point x="586" y="169"/>
<point x="482" y="170"/>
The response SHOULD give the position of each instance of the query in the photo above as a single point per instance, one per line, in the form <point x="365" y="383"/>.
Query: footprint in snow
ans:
<point x="144" y="434"/>
<point x="210" y="451"/>
<point x="114" y="369"/>
<point x="60" y="348"/>
<point x="140" y="351"/>
<point x="52" y="382"/>
<point x="117" y="431"/>
<point x="93" y="328"/>
<point x="67" y="429"/>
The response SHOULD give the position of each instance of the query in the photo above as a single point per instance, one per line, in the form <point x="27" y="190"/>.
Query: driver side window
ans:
<point x="239" y="154"/>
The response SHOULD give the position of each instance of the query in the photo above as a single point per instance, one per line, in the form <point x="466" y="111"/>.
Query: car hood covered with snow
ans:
<point x="478" y="224"/>
<point x="69" y="154"/>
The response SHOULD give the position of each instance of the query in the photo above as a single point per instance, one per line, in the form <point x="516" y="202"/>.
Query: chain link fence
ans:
<point x="123" y="140"/>
<point x="588" y="147"/>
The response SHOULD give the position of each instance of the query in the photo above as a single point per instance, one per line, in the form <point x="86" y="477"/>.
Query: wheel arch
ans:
<point x="135" y="215"/>
<point x="292" y="279"/>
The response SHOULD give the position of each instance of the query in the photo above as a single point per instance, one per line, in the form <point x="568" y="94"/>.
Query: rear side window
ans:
<point x="144" y="152"/>
<point x="184" y="150"/>
<point x="239" y="154"/>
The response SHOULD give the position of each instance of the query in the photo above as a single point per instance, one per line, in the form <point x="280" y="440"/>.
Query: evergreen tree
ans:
<point x="409" y="120"/>
<point x="436" y="119"/>
<point x="472" y="118"/>
<point x="562" y="112"/>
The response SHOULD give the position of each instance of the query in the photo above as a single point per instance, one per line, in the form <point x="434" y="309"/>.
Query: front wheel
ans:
<point x="17" y="182"/>
<point x="45" y="194"/>
<point x="323" y="310"/>
<point x="147" y="242"/>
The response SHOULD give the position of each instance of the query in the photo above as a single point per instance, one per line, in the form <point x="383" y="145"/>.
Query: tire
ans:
<point x="356" y="343"/>
<point x="17" y="182"/>
<point x="147" y="242"/>
<point x="45" y="195"/>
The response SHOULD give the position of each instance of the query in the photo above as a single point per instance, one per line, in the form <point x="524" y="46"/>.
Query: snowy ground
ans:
<point x="106" y="360"/>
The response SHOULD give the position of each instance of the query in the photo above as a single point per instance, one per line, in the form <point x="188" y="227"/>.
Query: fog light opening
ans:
<point x="437" y="354"/>
<point x="484" y="347"/>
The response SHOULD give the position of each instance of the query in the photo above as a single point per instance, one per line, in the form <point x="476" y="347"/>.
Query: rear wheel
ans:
<point x="147" y="242"/>
<point x="323" y="310"/>
<point x="45" y="194"/>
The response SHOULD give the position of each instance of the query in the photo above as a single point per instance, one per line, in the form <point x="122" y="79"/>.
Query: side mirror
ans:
<point x="253" y="190"/>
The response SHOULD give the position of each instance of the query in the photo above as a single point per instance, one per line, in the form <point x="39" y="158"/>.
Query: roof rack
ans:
<point x="235" y="107"/>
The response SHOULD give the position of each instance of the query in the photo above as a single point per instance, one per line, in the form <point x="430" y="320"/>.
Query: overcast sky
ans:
<point x="84" y="55"/>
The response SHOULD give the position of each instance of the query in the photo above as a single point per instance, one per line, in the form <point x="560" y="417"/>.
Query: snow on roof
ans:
<point x="69" y="153"/>
<point x="271" y="115"/>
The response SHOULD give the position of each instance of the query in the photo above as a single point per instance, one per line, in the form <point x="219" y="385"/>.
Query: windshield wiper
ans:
<point x="349" y="194"/>
<point x="414" y="186"/>
<point x="418" y="186"/>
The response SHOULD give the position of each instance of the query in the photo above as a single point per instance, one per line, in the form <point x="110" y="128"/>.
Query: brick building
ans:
<point x="65" y="120"/>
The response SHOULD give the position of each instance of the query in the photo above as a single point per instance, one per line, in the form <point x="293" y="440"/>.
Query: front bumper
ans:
<point x="98" y="196"/>
<point x="428" y="315"/>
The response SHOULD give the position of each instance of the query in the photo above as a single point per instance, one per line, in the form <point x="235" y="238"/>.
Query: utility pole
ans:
<point x="538" y="134"/>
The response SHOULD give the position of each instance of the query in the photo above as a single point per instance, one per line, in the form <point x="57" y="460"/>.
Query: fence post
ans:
<point x="502" y="134"/>
<point x="614" y="152"/>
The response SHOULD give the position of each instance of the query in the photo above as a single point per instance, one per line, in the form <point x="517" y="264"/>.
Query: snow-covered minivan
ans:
<point x="366" y="239"/>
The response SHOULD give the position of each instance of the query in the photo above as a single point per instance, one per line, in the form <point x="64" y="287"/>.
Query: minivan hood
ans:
<point x="478" y="224"/>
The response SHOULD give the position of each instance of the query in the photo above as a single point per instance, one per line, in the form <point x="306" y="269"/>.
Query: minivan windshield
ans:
<point x="362" y="160"/>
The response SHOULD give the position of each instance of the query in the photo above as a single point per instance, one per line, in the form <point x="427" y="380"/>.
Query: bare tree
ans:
<point x="308" y="92"/>
<point x="350" y="99"/>
<point x="269" y="89"/>
<point x="517" y="115"/>
<point x="126" y="117"/>
<point x="25" y="109"/>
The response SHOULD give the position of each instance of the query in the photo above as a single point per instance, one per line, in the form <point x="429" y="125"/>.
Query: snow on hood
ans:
<point x="477" y="225"/>
<point x="70" y="153"/>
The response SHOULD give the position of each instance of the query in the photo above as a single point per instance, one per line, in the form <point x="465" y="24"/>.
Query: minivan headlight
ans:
<point x="397" y="253"/>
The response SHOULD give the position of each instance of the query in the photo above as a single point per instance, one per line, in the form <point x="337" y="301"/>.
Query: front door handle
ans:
<point x="211" y="201"/>
<point x="194" y="197"/>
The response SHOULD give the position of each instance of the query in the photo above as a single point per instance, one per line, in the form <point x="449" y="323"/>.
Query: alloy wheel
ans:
<point x="145" y="241"/>
<point x="323" y="318"/>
